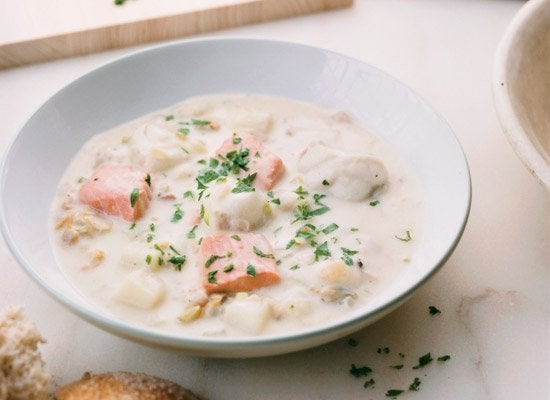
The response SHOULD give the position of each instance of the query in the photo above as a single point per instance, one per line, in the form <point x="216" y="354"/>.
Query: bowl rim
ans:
<point x="510" y="123"/>
<point x="189" y="343"/>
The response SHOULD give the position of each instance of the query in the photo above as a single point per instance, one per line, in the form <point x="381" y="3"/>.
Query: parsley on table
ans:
<point x="369" y="383"/>
<point x="134" y="195"/>
<point x="385" y="350"/>
<point x="434" y="310"/>
<point x="358" y="372"/>
<point x="444" y="358"/>
<point x="413" y="387"/>
<point x="394" y="393"/>
<point x="396" y="366"/>
<point x="423" y="361"/>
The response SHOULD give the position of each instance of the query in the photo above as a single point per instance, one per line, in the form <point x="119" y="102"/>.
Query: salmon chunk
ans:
<point x="118" y="190"/>
<point x="268" y="167"/>
<point x="237" y="263"/>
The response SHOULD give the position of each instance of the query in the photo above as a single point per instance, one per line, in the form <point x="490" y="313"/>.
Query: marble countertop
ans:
<point x="493" y="293"/>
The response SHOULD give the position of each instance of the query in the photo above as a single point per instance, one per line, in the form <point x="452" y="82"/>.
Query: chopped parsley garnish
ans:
<point x="169" y="118"/>
<point x="178" y="214"/>
<point x="434" y="310"/>
<point x="354" y="229"/>
<point x="245" y="184"/>
<point x="184" y="131"/>
<point x="199" y="122"/>
<point x="177" y="262"/>
<point x="304" y="212"/>
<point x="228" y="268"/>
<point x="200" y="241"/>
<point x="260" y="253"/>
<point x="301" y="191"/>
<point x="212" y="259"/>
<point x="290" y="244"/>
<point x="331" y="228"/>
<point x="423" y="361"/>
<point x="157" y="247"/>
<point x="322" y="251"/>
<point x="359" y="372"/>
<point x="213" y="163"/>
<point x="132" y="226"/>
<point x="236" y="237"/>
<point x="81" y="179"/>
<point x="149" y="237"/>
<point x="237" y="140"/>
<point x="353" y="342"/>
<point x="394" y="393"/>
<point x="374" y="203"/>
<point x="174" y="250"/>
<point x="188" y="194"/>
<point x="212" y="276"/>
<point x="191" y="233"/>
<point x="148" y="180"/>
<point x="251" y="270"/>
<point x="308" y="231"/>
<point x="325" y="182"/>
<point x="134" y="195"/>
<point x="152" y="227"/>
<point x="396" y="366"/>
<point x="407" y="238"/>
<point x="204" y="215"/>
<point x="236" y="160"/>
<point x="317" y="198"/>
<point x="148" y="259"/>
<point x="444" y="358"/>
<point x="273" y="199"/>
<point x="413" y="387"/>
<point x="369" y="383"/>
<point x="294" y="267"/>
<point x="346" y="256"/>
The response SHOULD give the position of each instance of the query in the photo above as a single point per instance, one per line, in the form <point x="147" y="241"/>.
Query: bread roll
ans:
<point x="123" y="386"/>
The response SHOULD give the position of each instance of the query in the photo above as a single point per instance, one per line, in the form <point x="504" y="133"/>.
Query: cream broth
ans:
<point x="342" y="220"/>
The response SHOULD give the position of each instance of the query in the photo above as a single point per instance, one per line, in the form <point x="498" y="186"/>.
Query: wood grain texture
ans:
<point x="31" y="41"/>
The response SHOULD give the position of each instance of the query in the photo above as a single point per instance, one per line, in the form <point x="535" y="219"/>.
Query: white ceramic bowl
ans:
<point x="158" y="77"/>
<point x="521" y="86"/>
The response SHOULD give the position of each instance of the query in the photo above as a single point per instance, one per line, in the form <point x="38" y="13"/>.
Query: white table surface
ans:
<point x="493" y="293"/>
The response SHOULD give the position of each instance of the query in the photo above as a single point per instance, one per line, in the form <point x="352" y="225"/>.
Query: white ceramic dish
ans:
<point x="161" y="76"/>
<point x="521" y="86"/>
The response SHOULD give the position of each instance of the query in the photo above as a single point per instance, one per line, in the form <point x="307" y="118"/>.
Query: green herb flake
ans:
<point x="149" y="237"/>
<point x="353" y="342"/>
<point x="322" y="251"/>
<point x="393" y="393"/>
<point x="200" y="241"/>
<point x="444" y="358"/>
<point x="301" y="191"/>
<point x="183" y="131"/>
<point x="188" y="194"/>
<point x="191" y="233"/>
<point x="407" y="238"/>
<point x="423" y="361"/>
<point x="433" y="310"/>
<point x="199" y="122"/>
<point x="148" y="259"/>
<point x="177" y="262"/>
<point x="329" y="229"/>
<point x="251" y="270"/>
<point x="228" y="268"/>
<point x="346" y="255"/>
<point x="212" y="259"/>
<point x="359" y="372"/>
<point x="148" y="180"/>
<point x="212" y="276"/>
<point x="325" y="182"/>
<point x="413" y="387"/>
<point x="260" y="253"/>
<point x="178" y="214"/>
<point x="317" y="198"/>
<point x="134" y="195"/>
<point x="152" y="227"/>
<point x="294" y="267"/>
<point x="81" y="179"/>
<point x="354" y="229"/>
<point x="369" y="383"/>
<point x="384" y="350"/>
<point x="174" y="250"/>
<point x="374" y="203"/>
<point x="236" y="237"/>
<point x="157" y="247"/>
<point x="401" y="355"/>
<point x="169" y="118"/>
<point x="245" y="184"/>
<point x="396" y="366"/>
<point x="132" y="227"/>
<point x="237" y="140"/>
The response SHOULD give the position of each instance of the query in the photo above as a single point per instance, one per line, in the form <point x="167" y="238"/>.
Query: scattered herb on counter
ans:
<point x="212" y="276"/>
<point x="413" y="387"/>
<point x="353" y="342"/>
<point x="236" y="237"/>
<point x="369" y="383"/>
<point x="134" y="195"/>
<point x="177" y="262"/>
<point x="199" y="122"/>
<point x="322" y="251"/>
<point x="433" y="310"/>
<point x="396" y="366"/>
<point x="178" y="214"/>
<point x="191" y="233"/>
<point x="260" y="253"/>
<point x="385" y="350"/>
<point x="211" y="260"/>
<point x="228" y="268"/>
<point x="169" y="117"/>
<point x="359" y="372"/>
<point x="407" y="238"/>
<point x="423" y="361"/>
<point x="251" y="270"/>
<point x="401" y="355"/>
<point x="374" y="203"/>
<point x="394" y="393"/>
<point x="325" y="182"/>
<point x="444" y="358"/>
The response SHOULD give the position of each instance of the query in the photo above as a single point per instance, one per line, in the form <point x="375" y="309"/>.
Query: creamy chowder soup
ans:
<point x="235" y="215"/>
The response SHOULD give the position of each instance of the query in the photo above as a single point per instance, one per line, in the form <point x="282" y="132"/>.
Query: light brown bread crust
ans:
<point x="123" y="386"/>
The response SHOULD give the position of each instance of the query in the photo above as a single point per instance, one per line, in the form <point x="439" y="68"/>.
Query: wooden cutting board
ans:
<point x="38" y="30"/>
